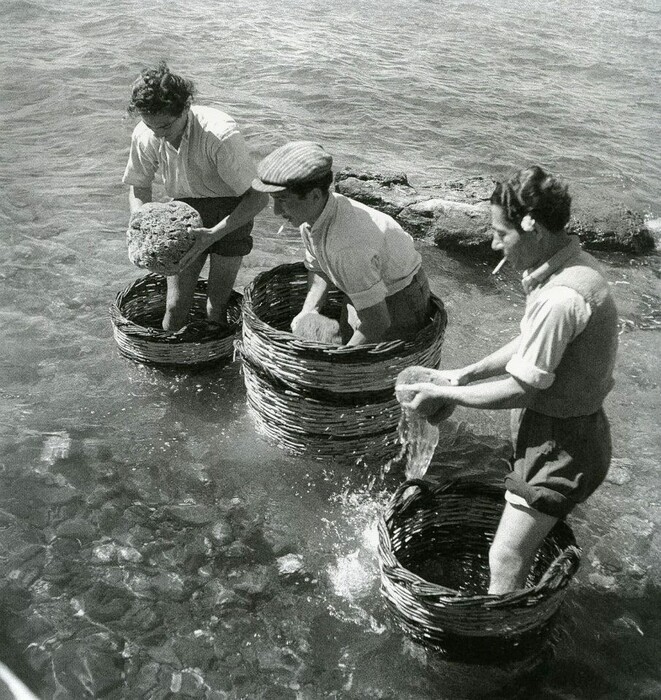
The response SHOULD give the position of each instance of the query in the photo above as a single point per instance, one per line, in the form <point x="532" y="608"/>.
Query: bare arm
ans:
<point x="246" y="210"/>
<point x="503" y="393"/>
<point x="139" y="196"/>
<point x="374" y="322"/>
<point x="318" y="286"/>
<point x="490" y="366"/>
<point x="494" y="365"/>
<point x="250" y="205"/>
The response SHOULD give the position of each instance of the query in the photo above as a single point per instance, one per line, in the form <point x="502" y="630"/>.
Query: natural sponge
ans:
<point x="158" y="236"/>
<point x="417" y="374"/>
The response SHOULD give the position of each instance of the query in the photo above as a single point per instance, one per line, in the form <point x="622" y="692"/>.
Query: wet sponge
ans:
<point x="417" y="374"/>
<point x="158" y="236"/>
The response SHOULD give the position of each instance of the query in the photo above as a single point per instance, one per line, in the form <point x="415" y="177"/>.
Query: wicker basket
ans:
<point x="136" y="318"/>
<point x="273" y="299"/>
<point x="434" y="542"/>
<point x="321" y="426"/>
<point x="318" y="399"/>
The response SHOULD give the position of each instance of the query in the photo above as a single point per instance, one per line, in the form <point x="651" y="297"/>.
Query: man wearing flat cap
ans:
<point x="361" y="251"/>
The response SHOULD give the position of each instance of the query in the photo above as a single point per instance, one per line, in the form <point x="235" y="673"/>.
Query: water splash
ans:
<point x="354" y="571"/>
<point x="352" y="576"/>
<point x="419" y="439"/>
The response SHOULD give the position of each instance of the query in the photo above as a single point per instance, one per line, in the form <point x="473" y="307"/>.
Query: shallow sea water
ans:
<point x="439" y="93"/>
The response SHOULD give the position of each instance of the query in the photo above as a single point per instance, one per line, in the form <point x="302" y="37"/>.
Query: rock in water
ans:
<point x="158" y="236"/>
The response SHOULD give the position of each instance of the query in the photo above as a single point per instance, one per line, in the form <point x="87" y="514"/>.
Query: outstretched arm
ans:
<point x="490" y="366"/>
<point x="249" y="206"/>
<point x="429" y="398"/>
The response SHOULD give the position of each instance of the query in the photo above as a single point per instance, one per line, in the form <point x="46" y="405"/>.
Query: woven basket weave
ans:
<point x="303" y="424"/>
<point x="319" y="399"/>
<point x="434" y="542"/>
<point x="273" y="299"/>
<point x="137" y="314"/>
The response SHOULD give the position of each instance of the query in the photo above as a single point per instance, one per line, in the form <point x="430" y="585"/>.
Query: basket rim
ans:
<point x="191" y="333"/>
<point x="369" y="351"/>
<point x="554" y="580"/>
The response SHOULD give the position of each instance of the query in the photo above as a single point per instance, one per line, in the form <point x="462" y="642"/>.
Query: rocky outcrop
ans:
<point x="455" y="215"/>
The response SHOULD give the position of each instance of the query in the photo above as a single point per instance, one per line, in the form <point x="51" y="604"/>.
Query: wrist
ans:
<point x="471" y="373"/>
<point x="311" y="308"/>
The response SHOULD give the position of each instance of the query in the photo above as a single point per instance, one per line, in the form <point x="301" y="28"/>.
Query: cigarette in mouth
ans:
<point x="281" y="229"/>
<point x="496" y="269"/>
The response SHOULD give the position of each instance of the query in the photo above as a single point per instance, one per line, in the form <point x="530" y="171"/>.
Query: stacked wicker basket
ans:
<point x="317" y="399"/>
<point x="138" y="312"/>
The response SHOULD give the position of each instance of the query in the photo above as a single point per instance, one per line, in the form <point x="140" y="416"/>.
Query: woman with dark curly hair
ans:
<point x="203" y="161"/>
<point x="555" y="374"/>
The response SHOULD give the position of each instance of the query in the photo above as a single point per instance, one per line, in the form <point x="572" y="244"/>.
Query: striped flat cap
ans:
<point x="294" y="163"/>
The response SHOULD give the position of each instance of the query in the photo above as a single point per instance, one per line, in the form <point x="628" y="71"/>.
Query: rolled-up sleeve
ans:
<point x="143" y="160"/>
<point x="551" y="321"/>
<point x="359" y="276"/>
<point x="234" y="163"/>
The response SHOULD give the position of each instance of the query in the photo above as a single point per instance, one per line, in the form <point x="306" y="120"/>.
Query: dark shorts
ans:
<point x="214" y="209"/>
<point x="558" y="462"/>
<point x="409" y="309"/>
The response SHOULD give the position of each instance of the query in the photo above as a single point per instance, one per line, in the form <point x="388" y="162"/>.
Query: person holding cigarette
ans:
<point x="555" y="374"/>
<point x="348" y="245"/>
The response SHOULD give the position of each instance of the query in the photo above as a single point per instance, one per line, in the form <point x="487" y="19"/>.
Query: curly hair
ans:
<point x="159" y="91"/>
<point x="536" y="192"/>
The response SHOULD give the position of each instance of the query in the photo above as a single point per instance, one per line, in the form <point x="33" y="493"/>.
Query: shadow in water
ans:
<point x="604" y="646"/>
<point x="11" y="656"/>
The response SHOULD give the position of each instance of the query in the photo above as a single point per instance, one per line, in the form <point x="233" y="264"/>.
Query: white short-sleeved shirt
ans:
<point x="211" y="161"/>
<point x="552" y="319"/>
<point x="364" y="252"/>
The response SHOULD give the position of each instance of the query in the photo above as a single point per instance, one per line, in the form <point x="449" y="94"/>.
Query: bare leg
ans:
<point x="181" y="289"/>
<point x="222" y="276"/>
<point x="520" y="532"/>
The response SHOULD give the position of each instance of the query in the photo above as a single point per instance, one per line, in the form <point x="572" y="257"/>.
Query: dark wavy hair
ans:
<point x="536" y="192"/>
<point x="323" y="182"/>
<point x="159" y="91"/>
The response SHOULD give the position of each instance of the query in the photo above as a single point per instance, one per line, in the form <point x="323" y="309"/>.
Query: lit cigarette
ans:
<point x="496" y="269"/>
<point x="281" y="229"/>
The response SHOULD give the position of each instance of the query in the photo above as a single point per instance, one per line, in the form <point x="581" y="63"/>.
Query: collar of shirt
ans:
<point x="320" y="226"/>
<point x="533" y="278"/>
<point x="185" y="136"/>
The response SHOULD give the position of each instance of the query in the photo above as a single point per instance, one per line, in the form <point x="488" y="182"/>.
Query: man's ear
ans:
<point x="315" y="195"/>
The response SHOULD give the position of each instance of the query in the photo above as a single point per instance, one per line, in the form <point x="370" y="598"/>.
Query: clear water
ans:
<point x="419" y="440"/>
<point x="438" y="91"/>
